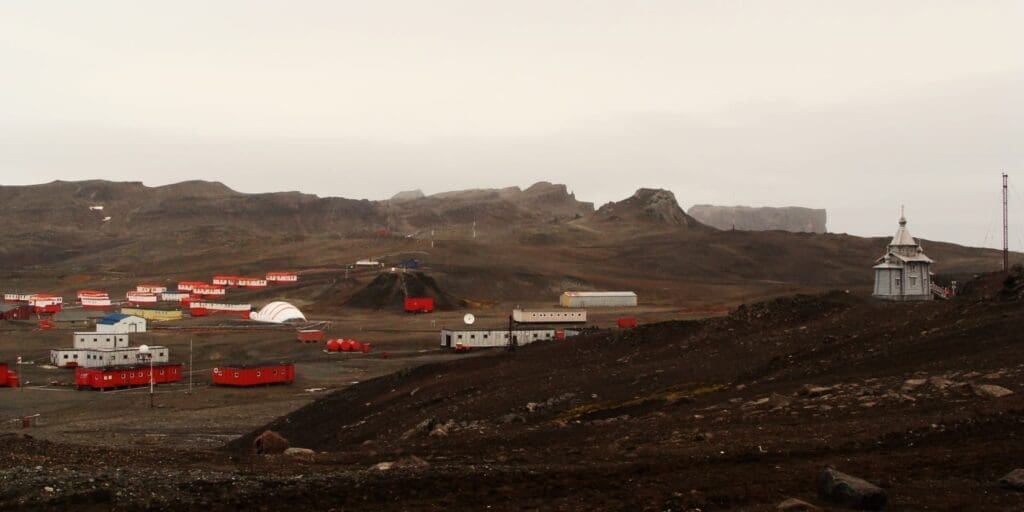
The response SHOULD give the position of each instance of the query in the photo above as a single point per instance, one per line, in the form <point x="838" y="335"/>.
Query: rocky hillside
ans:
<point x="753" y="406"/>
<point x="647" y="206"/>
<point x="794" y="219"/>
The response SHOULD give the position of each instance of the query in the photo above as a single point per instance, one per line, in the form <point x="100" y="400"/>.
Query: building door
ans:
<point x="448" y="340"/>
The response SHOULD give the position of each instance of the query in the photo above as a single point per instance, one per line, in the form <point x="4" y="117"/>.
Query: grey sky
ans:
<point x="856" y="107"/>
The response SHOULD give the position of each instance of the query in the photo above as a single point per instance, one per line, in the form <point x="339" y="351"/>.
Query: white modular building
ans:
<point x="119" y="322"/>
<point x="597" y="299"/>
<point x="904" y="272"/>
<point x="104" y="357"/>
<point x="483" y="338"/>
<point x="536" y="316"/>
<point x="96" y="340"/>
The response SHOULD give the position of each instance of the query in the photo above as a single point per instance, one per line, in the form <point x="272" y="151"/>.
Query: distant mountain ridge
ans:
<point x="745" y="218"/>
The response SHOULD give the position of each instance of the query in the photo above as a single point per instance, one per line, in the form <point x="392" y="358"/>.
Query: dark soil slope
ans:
<point x="745" y="410"/>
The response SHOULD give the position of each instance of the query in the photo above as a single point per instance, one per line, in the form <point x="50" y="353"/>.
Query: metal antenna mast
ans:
<point x="1006" y="231"/>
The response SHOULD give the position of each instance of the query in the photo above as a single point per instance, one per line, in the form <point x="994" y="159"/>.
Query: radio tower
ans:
<point x="1006" y="232"/>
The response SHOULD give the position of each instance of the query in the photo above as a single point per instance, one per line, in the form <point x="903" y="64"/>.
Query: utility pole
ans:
<point x="1006" y="231"/>
<point x="190" y="366"/>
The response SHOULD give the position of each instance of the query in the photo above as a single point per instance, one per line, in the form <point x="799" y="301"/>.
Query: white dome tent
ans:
<point x="278" y="312"/>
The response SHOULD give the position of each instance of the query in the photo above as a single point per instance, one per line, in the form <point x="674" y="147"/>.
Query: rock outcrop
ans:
<point x="745" y="218"/>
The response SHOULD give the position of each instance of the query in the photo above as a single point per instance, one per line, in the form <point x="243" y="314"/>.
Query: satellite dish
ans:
<point x="469" y="319"/>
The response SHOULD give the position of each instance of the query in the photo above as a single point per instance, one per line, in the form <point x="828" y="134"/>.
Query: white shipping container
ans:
<point x="528" y="316"/>
<point x="597" y="299"/>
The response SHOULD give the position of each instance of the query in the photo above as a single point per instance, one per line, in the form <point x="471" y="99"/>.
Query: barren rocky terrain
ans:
<point x="759" y="363"/>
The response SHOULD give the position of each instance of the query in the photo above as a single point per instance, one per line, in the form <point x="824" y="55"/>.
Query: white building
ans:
<point x="903" y="273"/>
<point x="91" y="340"/>
<point x="104" y="357"/>
<point x="481" y="338"/>
<point x="535" y="316"/>
<point x="118" y="322"/>
<point x="597" y="299"/>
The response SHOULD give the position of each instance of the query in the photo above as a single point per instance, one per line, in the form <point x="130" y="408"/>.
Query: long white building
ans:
<point x="536" y="316"/>
<point x="482" y="338"/>
<point x="104" y="357"/>
<point x="597" y="299"/>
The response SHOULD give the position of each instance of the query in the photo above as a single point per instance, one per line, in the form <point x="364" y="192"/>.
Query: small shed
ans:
<point x="77" y="318"/>
<point x="120" y="322"/>
<point x="249" y="375"/>
<point x="16" y="311"/>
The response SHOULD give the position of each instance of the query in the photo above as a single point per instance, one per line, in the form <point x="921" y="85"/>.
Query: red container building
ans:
<point x="627" y="322"/>
<point x="4" y="375"/>
<point x="419" y="305"/>
<point x="249" y="375"/>
<point x="114" y="377"/>
<point x="310" y="335"/>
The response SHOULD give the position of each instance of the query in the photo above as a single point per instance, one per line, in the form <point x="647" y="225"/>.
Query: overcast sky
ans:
<point x="856" y="107"/>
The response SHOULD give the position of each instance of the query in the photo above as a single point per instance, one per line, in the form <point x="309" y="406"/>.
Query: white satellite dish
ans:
<point x="469" y="319"/>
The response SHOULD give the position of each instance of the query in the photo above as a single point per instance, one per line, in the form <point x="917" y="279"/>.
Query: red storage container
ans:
<point x="419" y="305"/>
<point x="310" y="335"/>
<point x="254" y="374"/>
<point x="355" y="346"/>
<point x="627" y="322"/>
<point x="334" y="346"/>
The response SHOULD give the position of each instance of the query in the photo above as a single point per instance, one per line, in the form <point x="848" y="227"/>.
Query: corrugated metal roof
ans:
<point x="113" y="318"/>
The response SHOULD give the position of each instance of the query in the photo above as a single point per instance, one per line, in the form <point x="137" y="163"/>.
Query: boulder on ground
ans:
<point x="990" y="390"/>
<point x="850" y="491"/>
<point x="270" y="442"/>
<point x="1013" y="480"/>
<point x="300" y="453"/>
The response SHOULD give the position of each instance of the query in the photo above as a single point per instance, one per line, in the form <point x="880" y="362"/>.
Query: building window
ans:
<point x="913" y="280"/>
<point x="899" y="282"/>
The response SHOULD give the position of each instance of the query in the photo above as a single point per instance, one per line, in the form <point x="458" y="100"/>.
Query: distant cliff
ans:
<point x="792" y="218"/>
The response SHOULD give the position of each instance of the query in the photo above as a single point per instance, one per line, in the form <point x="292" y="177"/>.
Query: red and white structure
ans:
<point x="225" y="280"/>
<point x="174" y="296"/>
<point x="250" y="375"/>
<point x="203" y="308"/>
<point x="252" y="282"/>
<point x="46" y="303"/>
<point x="18" y="297"/>
<point x="282" y="277"/>
<point x="137" y="297"/>
<point x="188" y="286"/>
<point x="151" y="288"/>
<point x="94" y="299"/>
<point x="208" y="290"/>
<point x="126" y="376"/>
